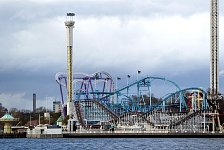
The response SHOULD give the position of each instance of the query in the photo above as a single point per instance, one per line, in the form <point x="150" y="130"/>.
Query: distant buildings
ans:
<point x="56" y="106"/>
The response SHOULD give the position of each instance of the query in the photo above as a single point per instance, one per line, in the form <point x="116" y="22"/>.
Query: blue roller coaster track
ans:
<point x="100" y="87"/>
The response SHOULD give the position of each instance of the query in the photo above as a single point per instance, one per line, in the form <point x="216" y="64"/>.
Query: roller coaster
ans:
<point x="99" y="101"/>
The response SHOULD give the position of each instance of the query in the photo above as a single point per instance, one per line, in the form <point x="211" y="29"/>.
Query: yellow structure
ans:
<point x="69" y="23"/>
<point x="8" y="120"/>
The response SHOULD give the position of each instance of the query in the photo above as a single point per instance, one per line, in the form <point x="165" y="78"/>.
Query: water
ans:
<point x="113" y="144"/>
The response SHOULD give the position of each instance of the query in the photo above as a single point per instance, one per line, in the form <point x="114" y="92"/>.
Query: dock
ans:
<point x="142" y="135"/>
<point x="116" y="135"/>
<point x="12" y="135"/>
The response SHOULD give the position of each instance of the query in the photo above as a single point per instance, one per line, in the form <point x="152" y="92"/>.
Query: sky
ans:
<point x="166" y="38"/>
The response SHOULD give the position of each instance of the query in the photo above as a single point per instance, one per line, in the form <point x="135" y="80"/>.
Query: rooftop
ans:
<point x="8" y="117"/>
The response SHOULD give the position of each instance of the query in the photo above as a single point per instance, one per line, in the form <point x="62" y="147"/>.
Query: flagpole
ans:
<point x="118" y="78"/>
<point x="128" y="76"/>
<point x="138" y="85"/>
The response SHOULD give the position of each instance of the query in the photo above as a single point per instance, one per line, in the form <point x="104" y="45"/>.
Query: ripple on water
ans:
<point x="113" y="144"/>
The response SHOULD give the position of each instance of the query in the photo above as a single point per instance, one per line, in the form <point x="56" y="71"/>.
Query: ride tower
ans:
<point x="69" y="24"/>
<point x="214" y="45"/>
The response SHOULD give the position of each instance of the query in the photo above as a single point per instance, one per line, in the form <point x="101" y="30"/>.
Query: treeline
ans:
<point x="25" y="116"/>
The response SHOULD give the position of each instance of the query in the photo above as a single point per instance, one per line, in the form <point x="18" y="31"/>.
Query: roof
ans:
<point x="60" y="119"/>
<point x="7" y="116"/>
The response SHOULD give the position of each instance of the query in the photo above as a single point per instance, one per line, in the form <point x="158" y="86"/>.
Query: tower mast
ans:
<point x="214" y="77"/>
<point x="69" y="24"/>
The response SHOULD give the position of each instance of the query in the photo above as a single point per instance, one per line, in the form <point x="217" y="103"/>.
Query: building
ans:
<point x="8" y="120"/>
<point x="56" y="106"/>
<point x="45" y="131"/>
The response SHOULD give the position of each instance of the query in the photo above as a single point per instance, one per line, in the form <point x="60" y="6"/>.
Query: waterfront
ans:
<point x="111" y="144"/>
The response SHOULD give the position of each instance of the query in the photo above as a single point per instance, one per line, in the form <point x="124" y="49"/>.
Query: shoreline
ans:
<point x="143" y="135"/>
<point x="115" y="135"/>
<point x="12" y="135"/>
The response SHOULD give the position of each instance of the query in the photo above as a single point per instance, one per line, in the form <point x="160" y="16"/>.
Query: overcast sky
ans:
<point x="168" y="38"/>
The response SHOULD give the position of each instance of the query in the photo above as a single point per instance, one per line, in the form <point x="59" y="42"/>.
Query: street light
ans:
<point x="30" y="119"/>
<point x="40" y="118"/>
<point x="128" y="76"/>
<point x="138" y="74"/>
<point x="118" y="78"/>
<point x="138" y="85"/>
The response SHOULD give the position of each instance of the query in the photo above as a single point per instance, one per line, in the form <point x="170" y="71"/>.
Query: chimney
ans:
<point x="34" y="103"/>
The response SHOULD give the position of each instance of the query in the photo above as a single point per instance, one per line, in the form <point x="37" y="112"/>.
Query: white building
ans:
<point x="56" y="106"/>
<point x="44" y="131"/>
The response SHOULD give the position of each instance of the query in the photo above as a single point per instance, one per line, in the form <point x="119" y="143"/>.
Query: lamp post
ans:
<point x="138" y="85"/>
<point x="39" y="119"/>
<point x="150" y="94"/>
<point x="30" y="119"/>
<point x="138" y="74"/>
<point x="128" y="76"/>
<point x="95" y="82"/>
<point x="50" y="119"/>
<point x="118" y="78"/>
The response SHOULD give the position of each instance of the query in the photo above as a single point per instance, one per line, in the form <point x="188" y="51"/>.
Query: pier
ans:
<point x="12" y="135"/>
<point x="143" y="135"/>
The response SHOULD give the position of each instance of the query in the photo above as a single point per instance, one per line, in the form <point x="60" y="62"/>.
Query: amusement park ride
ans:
<point x="95" y="101"/>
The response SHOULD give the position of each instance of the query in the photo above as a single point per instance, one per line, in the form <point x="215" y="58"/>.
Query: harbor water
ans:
<point x="113" y="143"/>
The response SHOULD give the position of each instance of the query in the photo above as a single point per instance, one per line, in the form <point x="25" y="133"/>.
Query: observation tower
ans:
<point x="214" y="60"/>
<point x="69" y="24"/>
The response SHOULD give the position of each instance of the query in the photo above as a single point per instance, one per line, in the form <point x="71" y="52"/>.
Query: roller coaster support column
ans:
<point x="204" y="120"/>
